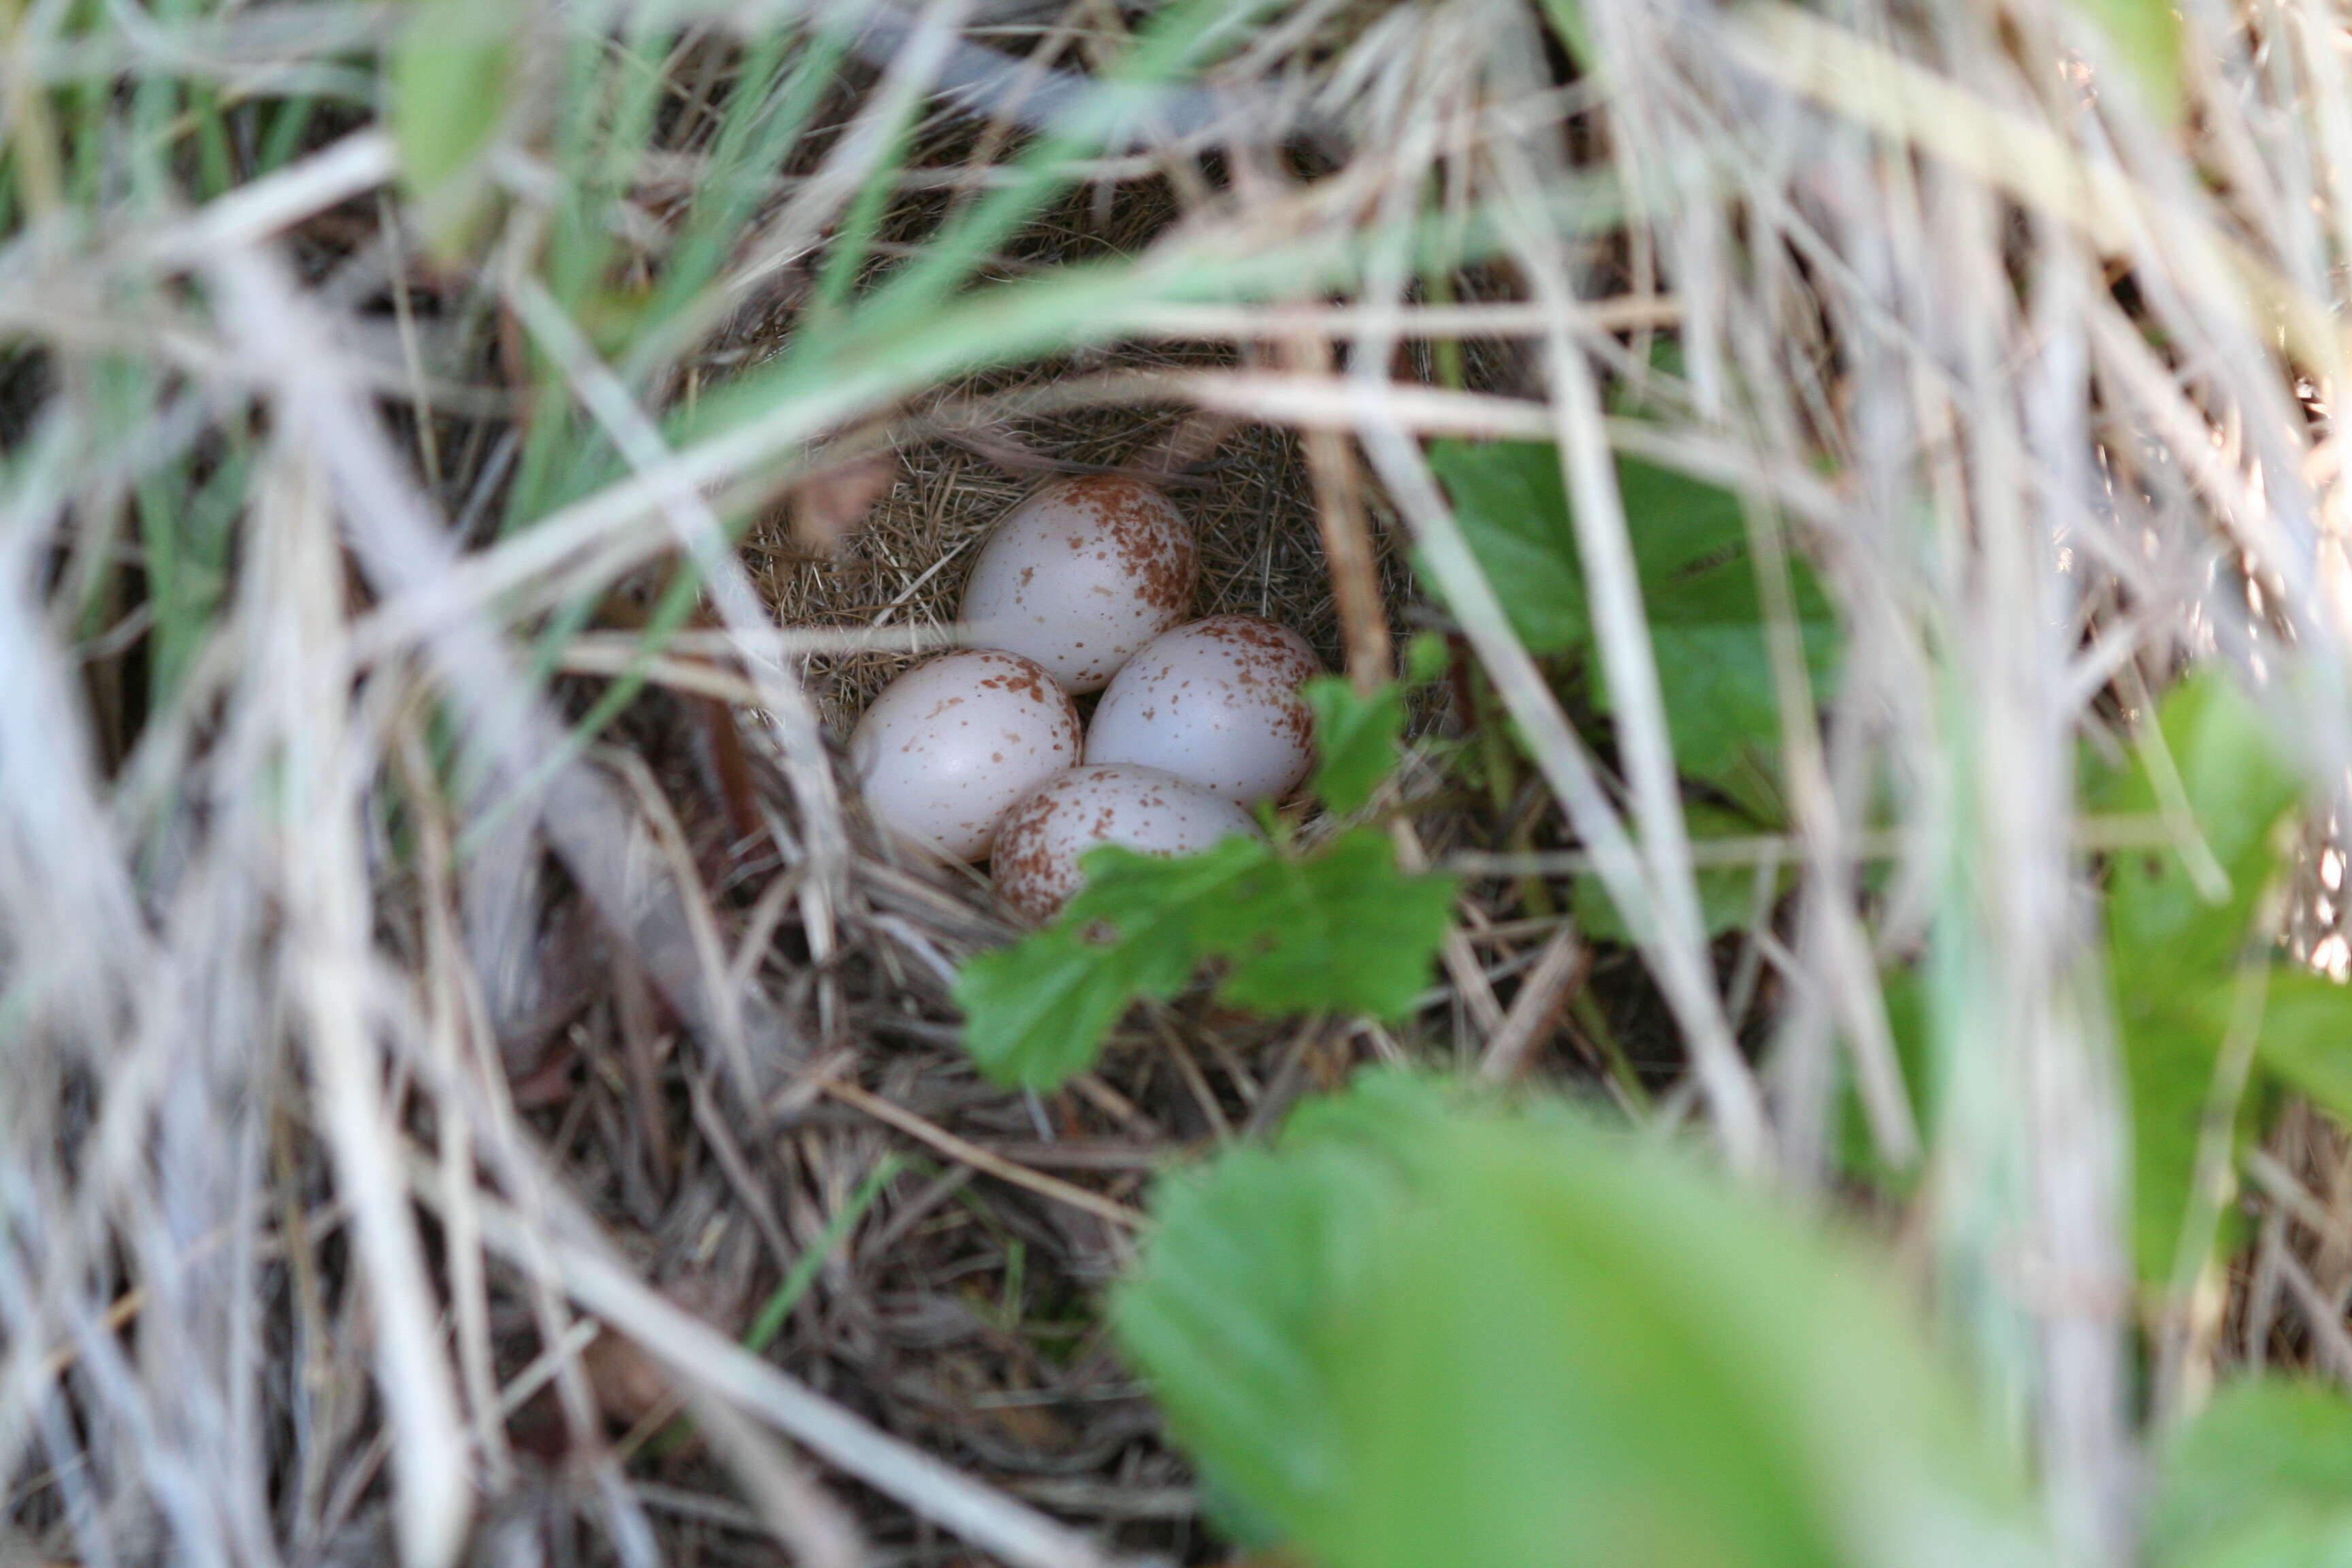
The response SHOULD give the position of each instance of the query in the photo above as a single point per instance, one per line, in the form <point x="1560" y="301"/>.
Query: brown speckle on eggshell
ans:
<point x="1215" y="701"/>
<point x="1046" y="832"/>
<point x="1081" y="574"/>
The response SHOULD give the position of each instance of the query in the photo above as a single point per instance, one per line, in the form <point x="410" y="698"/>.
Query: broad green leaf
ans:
<point x="1036" y="1012"/>
<point x="2237" y="786"/>
<point x="1356" y="739"/>
<point x="2307" y="1038"/>
<point x="1573" y="1350"/>
<point x="2262" y="1478"/>
<point x="1513" y="507"/>
<point x="1340" y="930"/>
<point x="1444" y="1332"/>
<point x="2173" y="955"/>
<point x="450" y="81"/>
<point x="1727" y="894"/>
<point x="1231" y="1313"/>
<point x="1698" y="589"/>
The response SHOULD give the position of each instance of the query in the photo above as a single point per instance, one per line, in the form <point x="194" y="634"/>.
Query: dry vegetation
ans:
<point x="374" y="1030"/>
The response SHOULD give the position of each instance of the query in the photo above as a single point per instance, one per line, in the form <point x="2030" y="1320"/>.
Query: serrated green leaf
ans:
<point x="449" y="83"/>
<point x="1036" y="1012"/>
<point x="1355" y="740"/>
<point x="2262" y="1478"/>
<point x="1341" y="930"/>
<point x="1230" y="1312"/>
<point x="1444" y="1332"/>
<point x="2173" y="955"/>
<point x="1698" y="590"/>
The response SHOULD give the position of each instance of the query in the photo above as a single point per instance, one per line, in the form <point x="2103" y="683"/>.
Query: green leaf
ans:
<point x="450" y="79"/>
<point x="1566" y="18"/>
<point x="2307" y="1038"/>
<point x="1513" y="507"/>
<point x="1340" y="930"/>
<point x="2237" y="786"/>
<point x="1906" y="995"/>
<point x="2146" y="36"/>
<point x="1036" y="1012"/>
<point x="1230" y="1312"/>
<point x="1426" y="657"/>
<point x="2262" y="1478"/>
<point x="1356" y="739"/>
<point x="2173" y="955"/>
<point x="1698" y="588"/>
<point x="1431" y="1331"/>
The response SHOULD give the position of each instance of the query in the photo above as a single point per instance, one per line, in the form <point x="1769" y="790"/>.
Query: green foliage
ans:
<point x="1512" y="504"/>
<point x="2147" y="40"/>
<point x="1340" y="929"/>
<point x="1232" y="1313"/>
<point x="1356" y="737"/>
<point x="1422" y="1330"/>
<point x="2261" y="1478"/>
<point x="1567" y="19"/>
<point x="2172" y="955"/>
<point x="2307" y="1038"/>
<point x="449" y="79"/>
<point x="1699" y="587"/>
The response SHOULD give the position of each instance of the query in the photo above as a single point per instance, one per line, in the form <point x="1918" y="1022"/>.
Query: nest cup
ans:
<point x="1249" y="500"/>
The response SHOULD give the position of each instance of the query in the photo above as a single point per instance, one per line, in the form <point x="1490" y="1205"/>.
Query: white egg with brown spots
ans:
<point x="949" y="744"/>
<point x="1048" y="831"/>
<point x="1080" y="576"/>
<point x="1216" y="702"/>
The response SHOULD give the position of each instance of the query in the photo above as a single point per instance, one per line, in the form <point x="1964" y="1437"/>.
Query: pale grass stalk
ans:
<point x="400" y="544"/>
<point x="819" y="1533"/>
<point x="325" y="889"/>
<point x="455" y="1014"/>
<point x="799" y="733"/>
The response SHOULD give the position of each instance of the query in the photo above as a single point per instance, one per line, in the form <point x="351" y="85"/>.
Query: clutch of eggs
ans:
<point x="1080" y="576"/>
<point x="1080" y="585"/>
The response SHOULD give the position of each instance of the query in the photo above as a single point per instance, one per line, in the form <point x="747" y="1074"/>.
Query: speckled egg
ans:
<point x="1080" y="576"/>
<point x="1216" y="702"/>
<point x="952" y="742"/>
<point x="1143" y="809"/>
